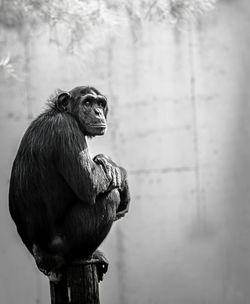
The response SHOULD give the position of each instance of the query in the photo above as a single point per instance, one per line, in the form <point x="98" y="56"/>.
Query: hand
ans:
<point x="111" y="169"/>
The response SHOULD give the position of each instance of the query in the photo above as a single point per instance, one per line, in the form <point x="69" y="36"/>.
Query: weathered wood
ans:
<point x="79" y="284"/>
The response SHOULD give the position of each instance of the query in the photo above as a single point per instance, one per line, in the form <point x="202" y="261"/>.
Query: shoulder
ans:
<point x="53" y="131"/>
<point x="64" y="132"/>
<point x="51" y="123"/>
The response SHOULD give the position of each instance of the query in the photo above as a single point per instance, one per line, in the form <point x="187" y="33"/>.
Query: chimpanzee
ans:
<point x="63" y="202"/>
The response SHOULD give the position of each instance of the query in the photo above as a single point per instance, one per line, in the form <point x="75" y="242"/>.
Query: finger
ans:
<point x="100" y="160"/>
<point x="113" y="173"/>
<point x="106" y="167"/>
<point x="104" y="162"/>
<point x="118" y="176"/>
<point x="110" y="172"/>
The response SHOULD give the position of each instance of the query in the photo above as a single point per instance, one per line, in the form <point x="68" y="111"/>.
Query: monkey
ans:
<point x="62" y="201"/>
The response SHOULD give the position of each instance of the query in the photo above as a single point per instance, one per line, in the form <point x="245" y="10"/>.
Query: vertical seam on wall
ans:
<point x="26" y="42"/>
<point x="27" y="76"/>
<point x="193" y="99"/>
<point x="119" y="233"/>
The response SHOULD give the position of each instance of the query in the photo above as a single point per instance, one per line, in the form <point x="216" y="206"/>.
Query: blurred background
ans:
<point x="176" y="74"/>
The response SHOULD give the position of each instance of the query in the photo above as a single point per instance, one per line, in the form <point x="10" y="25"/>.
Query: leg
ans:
<point x="86" y="226"/>
<point x="120" y="175"/>
<point x="83" y="229"/>
<point x="48" y="263"/>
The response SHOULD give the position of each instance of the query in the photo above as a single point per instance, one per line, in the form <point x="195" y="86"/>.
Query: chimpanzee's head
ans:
<point x="88" y="106"/>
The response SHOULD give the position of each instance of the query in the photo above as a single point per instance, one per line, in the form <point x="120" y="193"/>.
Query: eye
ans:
<point x="101" y="103"/>
<point x="87" y="101"/>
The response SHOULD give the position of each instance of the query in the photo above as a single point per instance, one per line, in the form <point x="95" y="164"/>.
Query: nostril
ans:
<point x="97" y="112"/>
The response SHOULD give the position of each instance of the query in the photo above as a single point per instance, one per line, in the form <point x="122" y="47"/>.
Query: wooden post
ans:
<point x="79" y="284"/>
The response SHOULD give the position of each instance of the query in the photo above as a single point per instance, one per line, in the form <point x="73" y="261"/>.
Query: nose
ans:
<point x="98" y="112"/>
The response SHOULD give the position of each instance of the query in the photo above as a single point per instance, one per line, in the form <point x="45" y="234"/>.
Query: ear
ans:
<point x="62" y="102"/>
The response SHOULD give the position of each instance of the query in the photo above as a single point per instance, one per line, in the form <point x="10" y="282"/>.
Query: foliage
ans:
<point x="79" y="16"/>
<point x="7" y="67"/>
<point x="172" y="10"/>
<point x="76" y="20"/>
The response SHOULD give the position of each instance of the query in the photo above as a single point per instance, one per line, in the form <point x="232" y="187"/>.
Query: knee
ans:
<point x="110" y="200"/>
<point x="57" y="245"/>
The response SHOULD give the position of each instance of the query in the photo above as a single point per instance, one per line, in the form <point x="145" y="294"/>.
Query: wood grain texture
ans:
<point x="79" y="285"/>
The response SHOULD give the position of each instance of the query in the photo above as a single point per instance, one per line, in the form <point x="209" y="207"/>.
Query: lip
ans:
<point x="100" y="125"/>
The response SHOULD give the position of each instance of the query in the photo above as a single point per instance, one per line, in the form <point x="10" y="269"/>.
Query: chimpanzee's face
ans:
<point x="88" y="106"/>
<point x="92" y="113"/>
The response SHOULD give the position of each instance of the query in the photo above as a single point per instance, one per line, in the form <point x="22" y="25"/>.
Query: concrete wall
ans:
<point x="179" y="123"/>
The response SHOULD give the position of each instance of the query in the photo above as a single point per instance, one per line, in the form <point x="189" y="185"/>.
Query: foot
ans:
<point x="48" y="263"/>
<point x="55" y="276"/>
<point x="102" y="264"/>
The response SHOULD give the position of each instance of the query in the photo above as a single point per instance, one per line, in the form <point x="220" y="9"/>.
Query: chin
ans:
<point x="102" y="132"/>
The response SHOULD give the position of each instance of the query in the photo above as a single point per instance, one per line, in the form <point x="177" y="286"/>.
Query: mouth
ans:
<point x="99" y="126"/>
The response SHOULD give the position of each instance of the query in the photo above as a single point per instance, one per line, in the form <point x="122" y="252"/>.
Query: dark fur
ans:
<point x="62" y="204"/>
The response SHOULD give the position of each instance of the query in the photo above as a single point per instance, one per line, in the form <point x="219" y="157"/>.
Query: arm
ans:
<point x="125" y="199"/>
<point x="115" y="171"/>
<point x="86" y="178"/>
